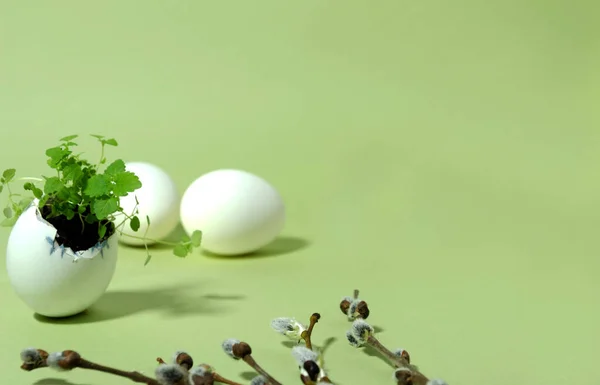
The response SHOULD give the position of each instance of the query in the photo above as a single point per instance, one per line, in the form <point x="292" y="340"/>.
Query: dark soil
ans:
<point x="73" y="234"/>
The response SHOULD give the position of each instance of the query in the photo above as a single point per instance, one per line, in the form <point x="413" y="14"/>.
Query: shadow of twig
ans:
<point x="54" y="381"/>
<point x="290" y="344"/>
<point x="248" y="376"/>
<point x="327" y="344"/>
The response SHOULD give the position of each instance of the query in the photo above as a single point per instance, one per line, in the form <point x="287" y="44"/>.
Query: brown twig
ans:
<point x="306" y="335"/>
<point x="70" y="360"/>
<point x="362" y="334"/>
<point x="133" y="376"/>
<point x="399" y="362"/>
<point x="182" y="370"/>
<point x="223" y="380"/>
<point x="242" y="350"/>
<point x="254" y="365"/>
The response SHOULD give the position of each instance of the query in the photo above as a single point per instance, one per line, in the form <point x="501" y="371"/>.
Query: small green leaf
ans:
<point x="196" y="238"/>
<point x="134" y="223"/>
<point x="37" y="193"/>
<point x="185" y="238"/>
<point x="56" y="155"/>
<point x="52" y="185"/>
<point x="91" y="218"/>
<point x="148" y="220"/>
<point x="72" y="172"/>
<point x="69" y="214"/>
<point x="81" y="209"/>
<point x="9" y="222"/>
<point x="8" y="213"/>
<point x="55" y="152"/>
<point x="1" y="187"/>
<point x="97" y="185"/>
<point x="101" y="231"/>
<point x="98" y="136"/>
<point x="180" y="251"/>
<point x="74" y="195"/>
<point x="24" y="203"/>
<point x="116" y="167"/>
<point x="125" y="182"/>
<point x="147" y="259"/>
<point x="102" y="208"/>
<point x="9" y="174"/>
<point x="111" y="142"/>
<point x="68" y="138"/>
<point x="43" y="201"/>
<point x="64" y="194"/>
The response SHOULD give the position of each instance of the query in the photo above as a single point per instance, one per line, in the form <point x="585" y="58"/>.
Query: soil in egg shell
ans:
<point x="73" y="233"/>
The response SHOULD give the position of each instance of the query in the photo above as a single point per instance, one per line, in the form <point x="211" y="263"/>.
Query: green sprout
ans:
<point x="80" y="191"/>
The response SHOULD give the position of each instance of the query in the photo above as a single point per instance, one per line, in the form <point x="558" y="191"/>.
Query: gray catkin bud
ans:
<point x="398" y="352"/>
<point x="200" y="370"/>
<point x="352" y="308"/>
<point x="169" y="374"/>
<point x="282" y="324"/>
<point x="228" y="347"/>
<point x="30" y="356"/>
<point x="437" y="382"/>
<point x="303" y="354"/>
<point x="353" y="341"/>
<point x="258" y="380"/>
<point x="361" y="330"/>
<point x="53" y="361"/>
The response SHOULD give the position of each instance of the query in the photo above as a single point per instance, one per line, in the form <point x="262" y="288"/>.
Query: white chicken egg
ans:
<point x="158" y="199"/>
<point x="237" y="212"/>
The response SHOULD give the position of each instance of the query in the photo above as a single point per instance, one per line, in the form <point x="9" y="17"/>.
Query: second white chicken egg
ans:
<point x="158" y="199"/>
<point x="238" y="212"/>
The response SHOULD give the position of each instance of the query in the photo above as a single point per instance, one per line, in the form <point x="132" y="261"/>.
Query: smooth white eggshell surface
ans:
<point x="44" y="276"/>
<point x="237" y="211"/>
<point x="158" y="198"/>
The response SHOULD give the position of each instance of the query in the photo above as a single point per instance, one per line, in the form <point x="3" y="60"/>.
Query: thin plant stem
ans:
<point x="254" y="365"/>
<point x="10" y="194"/>
<point x="396" y="361"/>
<point x="133" y="376"/>
<point x="218" y="378"/>
<point x="101" y="156"/>
<point x="143" y="238"/>
<point x="306" y="335"/>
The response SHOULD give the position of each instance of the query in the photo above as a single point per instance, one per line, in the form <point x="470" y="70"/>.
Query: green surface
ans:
<point x="440" y="156"/>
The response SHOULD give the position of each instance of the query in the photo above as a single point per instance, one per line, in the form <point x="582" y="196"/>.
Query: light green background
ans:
<point x="442" y="156"/>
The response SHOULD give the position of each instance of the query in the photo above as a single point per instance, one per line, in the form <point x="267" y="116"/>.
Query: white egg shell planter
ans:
<point x="53" y="280"/>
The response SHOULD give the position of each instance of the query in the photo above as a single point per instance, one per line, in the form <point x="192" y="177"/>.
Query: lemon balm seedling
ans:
<point x="82" y="199"/>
